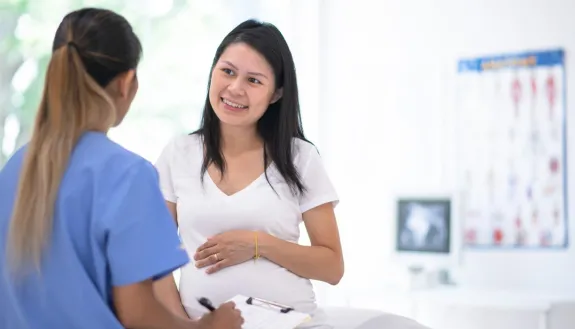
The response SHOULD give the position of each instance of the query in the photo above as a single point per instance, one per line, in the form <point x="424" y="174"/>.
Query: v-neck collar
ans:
<point x="243" y="190"/>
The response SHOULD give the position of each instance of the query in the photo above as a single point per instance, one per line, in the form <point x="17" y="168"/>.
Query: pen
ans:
<point x="206" y="303"/>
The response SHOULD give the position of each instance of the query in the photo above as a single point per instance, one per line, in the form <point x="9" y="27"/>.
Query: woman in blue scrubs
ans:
<point x="83" y="224"/>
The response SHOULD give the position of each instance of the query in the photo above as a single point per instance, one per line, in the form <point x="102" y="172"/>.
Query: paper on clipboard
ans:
<point x="260" y="314"/>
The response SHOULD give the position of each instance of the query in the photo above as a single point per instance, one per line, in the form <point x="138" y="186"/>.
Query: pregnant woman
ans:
<point x="241" y="185"/>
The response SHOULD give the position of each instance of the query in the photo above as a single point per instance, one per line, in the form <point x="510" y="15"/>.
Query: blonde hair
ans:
<point x="72" y="103"/>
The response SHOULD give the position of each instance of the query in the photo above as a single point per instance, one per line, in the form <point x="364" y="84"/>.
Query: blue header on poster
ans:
<point x="526" y="59"/>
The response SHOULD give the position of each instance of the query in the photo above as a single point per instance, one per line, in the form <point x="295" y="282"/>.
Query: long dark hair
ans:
<point x="281" y="123"/>
<point x="91" y="47"/>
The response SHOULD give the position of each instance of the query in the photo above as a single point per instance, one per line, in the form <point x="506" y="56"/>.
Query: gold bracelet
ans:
<point x="256" y="254"/>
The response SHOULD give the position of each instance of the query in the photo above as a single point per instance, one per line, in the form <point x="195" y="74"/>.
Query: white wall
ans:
<point x="386" y="92"/>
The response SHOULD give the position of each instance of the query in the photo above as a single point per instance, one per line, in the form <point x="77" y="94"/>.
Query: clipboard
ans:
<point x="263" y="314"/>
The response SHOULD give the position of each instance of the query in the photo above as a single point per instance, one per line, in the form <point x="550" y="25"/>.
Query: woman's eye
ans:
<point x="228" y="71"/>
<point x="254" y="80"/>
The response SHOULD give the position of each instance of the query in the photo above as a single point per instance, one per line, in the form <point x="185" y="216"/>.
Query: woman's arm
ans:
<point x="137" y="307"/>
<point x="322" y="261"/>
<point x="165" y="289"/>
<point x="167" y="293"/>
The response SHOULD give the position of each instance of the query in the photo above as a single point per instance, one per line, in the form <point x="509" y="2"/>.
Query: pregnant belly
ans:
<point x="262" y="279"/>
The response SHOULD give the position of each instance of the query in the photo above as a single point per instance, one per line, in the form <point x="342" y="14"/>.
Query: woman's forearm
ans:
<point x="311" y="262"/>
<point x="167" y="293"/>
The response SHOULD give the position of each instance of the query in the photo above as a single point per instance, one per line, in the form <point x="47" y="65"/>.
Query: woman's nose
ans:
<point x="236" y="87"/>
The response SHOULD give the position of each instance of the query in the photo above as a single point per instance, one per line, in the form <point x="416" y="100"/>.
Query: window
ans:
<point x="179" y="40"/>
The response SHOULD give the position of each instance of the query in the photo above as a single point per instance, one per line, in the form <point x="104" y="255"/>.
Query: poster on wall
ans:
<point x="512" y="150"/>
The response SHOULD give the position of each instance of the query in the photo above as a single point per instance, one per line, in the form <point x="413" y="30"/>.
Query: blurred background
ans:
<point x="384" y="97"/>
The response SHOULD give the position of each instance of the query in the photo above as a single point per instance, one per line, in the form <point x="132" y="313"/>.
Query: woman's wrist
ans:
<point x="263" y="244"/>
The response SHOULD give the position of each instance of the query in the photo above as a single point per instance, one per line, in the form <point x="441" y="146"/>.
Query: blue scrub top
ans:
<point x="111" y="228"/>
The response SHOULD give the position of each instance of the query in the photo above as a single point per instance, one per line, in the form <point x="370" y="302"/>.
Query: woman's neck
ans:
<point x="240" y="139"/>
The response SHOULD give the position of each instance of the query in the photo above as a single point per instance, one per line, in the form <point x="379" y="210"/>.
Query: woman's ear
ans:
<point x="125" y="82"/>
<point x="277" y="95"/>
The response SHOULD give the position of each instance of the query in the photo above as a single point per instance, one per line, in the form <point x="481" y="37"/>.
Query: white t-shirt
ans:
<point x="204" y="211"/>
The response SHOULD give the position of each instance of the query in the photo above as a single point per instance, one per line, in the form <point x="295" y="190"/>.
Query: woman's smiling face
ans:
<point x="242" y="86"/>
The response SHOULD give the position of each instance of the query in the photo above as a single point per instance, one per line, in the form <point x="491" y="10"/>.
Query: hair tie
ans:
<point x="72" y="44"/>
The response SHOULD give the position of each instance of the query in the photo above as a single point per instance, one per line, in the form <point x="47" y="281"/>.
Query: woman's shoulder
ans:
<point x="303" y="151"/>
<point x="181" y="151"/>
<point x="184" y="143"/>
<point x="302" y="148"/>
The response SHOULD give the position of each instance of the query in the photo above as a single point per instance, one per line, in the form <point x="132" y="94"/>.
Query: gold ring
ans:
<point x="216" y="256"/>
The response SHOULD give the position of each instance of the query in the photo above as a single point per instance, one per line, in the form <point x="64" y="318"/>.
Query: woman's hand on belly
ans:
<point x="225" y="249"/>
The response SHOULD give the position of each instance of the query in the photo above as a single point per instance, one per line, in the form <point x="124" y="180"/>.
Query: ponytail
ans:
<point x="72" y="103"/>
